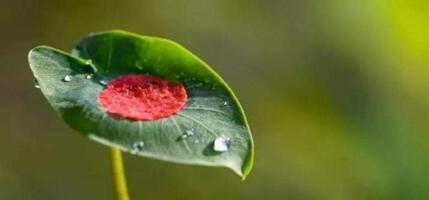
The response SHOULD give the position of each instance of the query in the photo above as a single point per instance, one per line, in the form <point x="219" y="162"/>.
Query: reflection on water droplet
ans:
<point x="103" y="82"/>
<point x="67" y="78"/>
<point x="225" y="103"/>
<point x="89" y="76"/>
<point x="137" y="147"/>
<point x="221" y="144"/>
<point x="36" y="84"/>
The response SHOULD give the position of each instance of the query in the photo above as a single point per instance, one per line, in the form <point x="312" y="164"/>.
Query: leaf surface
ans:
<point x="211" y="112"/>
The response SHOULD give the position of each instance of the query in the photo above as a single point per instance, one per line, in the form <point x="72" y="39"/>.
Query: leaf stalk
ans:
<point x="118" y="174"/>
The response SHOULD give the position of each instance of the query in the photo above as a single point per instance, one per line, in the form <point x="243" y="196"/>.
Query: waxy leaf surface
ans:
<point x="211" y="112"/>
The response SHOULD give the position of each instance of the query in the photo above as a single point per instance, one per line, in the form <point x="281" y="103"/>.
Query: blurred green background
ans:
<point x="336" y="93"/>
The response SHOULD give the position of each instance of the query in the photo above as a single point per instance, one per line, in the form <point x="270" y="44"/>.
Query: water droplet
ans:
<point x="36" y="84"/>
<point x="188" y="133"/>
<point x="67" y="78"/>
<point x="225" y="103"/>
<point x="221" y="144"/>
<point x="89" y="76"/>
<point x="103" y="82"/>
<point x="137" y="147"/>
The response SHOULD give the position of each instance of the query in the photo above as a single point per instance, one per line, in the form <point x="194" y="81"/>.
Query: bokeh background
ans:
<point x="336" y="93"/>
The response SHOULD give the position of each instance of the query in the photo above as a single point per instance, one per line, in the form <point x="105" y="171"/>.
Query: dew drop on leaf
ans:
<point x="67" y="78"/>
<point x="89" y="76"/>
<point x="221" y="144"/>
<point x="137" y="147"/>
<point x="36" y="84"/>
<point x="103" y="82"/>
<point x="188" y="133"/>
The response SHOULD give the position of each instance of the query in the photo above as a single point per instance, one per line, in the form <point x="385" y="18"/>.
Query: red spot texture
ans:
<point x="142" y="97"/>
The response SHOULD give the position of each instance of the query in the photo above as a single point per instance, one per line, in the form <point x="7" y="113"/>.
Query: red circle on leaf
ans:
<point x="142" y="97"/>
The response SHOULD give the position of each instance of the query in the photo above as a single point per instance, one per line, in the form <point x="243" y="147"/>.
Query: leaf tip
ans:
<point x="248" y="164"/>
<point x="245" y="168"/>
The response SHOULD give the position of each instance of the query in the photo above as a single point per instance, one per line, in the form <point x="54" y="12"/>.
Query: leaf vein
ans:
<point x="207" y="109"/>
<point x="198" y="122"/>
<point x="180" y="132"/>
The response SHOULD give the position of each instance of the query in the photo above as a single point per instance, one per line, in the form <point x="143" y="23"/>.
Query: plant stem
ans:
<point x="119" y="180"/>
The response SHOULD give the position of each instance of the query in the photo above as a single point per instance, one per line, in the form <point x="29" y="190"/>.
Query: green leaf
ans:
<point x="212" y="110"/>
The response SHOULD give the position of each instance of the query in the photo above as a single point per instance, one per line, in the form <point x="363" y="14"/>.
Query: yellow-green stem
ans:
<point x="119" y="180"/>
